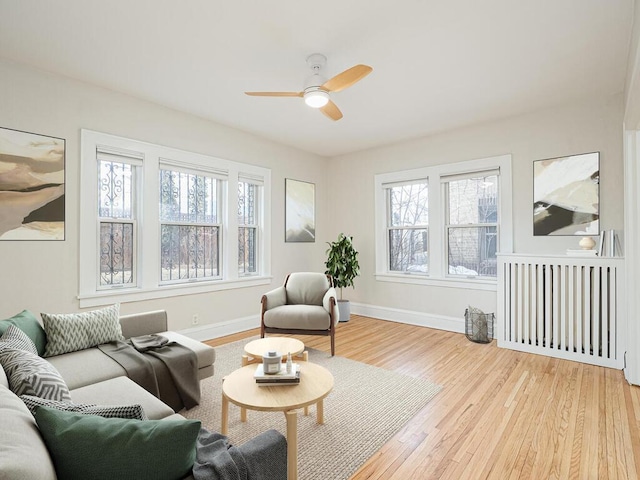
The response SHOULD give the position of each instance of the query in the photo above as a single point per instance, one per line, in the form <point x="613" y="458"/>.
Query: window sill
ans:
<point x="463" y="283"/>
<point x="121" y="295"/>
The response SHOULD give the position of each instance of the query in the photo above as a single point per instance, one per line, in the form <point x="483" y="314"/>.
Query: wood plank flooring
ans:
<point x="500" y="415"/>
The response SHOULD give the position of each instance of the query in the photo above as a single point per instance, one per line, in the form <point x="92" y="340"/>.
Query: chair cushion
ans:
<point x="306" y="288"/>
<point x="304" y="317"/>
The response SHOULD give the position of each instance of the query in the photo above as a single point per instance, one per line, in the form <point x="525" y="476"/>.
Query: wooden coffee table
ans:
<point x="240" y="388"/>
<point x="255" y="350"/>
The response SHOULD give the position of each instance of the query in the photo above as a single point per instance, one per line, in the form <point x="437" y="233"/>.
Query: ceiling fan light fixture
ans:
<point x="316" y="98"/>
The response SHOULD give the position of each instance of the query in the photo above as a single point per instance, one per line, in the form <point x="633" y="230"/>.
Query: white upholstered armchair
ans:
<point x="304" y="305"/>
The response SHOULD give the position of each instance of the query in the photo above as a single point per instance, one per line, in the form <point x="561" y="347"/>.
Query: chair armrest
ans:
<point x="328" y="305"/>
<point x="274" y="298"/>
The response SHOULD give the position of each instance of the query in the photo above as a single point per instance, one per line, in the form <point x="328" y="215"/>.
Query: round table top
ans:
<point x="240" y="388"/>
<point x="282" y="345"/>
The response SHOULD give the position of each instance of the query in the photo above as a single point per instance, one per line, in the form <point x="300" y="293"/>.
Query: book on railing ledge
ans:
<point x="579" y="252"/>
<point x="280" y="378"/>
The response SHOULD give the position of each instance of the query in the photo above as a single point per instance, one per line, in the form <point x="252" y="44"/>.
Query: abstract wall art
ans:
<point x="31" y="186"/>
<point x="300" y="223"/>
<point x="566" y="195"/>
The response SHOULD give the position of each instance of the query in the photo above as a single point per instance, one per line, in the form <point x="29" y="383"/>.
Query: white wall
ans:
<point x="580" y="128"/>
<point x="43" y="276"/>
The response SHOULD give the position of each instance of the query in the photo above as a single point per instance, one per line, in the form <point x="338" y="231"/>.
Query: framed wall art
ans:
<point x="300" y="211"/>
<point x="566" y="195"/>
<point x="31" y="186"/>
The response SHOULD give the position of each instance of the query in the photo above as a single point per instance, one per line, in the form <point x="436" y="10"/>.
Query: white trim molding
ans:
<point x="422" y="319"/>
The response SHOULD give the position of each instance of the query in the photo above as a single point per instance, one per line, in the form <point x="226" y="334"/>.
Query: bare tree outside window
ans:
<point x="472" y="226"/>
<point x="408" y="220"/>
<point x="189" y="229"/>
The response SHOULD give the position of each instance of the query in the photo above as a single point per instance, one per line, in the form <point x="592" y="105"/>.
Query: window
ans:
<point x="408" y="222"/>
<point x="247" y="227"/>
<point x="189" y="228"/>
<point x="471" y="213"/>
<point x="444" y="224"/>
<point x="158" y="221"/>
<point x="116" y="218"/>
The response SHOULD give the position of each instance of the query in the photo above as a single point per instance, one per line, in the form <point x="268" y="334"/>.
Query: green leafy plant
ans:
<point x="342" y="262"/>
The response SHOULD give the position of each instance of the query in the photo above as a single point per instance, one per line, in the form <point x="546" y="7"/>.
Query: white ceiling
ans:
<point x="438" y="64"/>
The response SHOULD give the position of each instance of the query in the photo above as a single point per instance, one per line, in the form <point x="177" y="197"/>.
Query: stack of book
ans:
<point x="276" y="379"/>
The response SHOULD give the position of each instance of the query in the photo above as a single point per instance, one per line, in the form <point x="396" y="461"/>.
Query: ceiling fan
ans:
<point x="317" y="88"/>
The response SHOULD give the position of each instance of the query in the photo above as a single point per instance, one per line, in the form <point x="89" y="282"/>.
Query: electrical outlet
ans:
<point x="195" y="319"/>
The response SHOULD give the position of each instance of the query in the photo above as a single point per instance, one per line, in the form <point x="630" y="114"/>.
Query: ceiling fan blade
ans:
<point x="274" y="94"/>
<point x="332" y="111"/>
<point x="347" y="78"/>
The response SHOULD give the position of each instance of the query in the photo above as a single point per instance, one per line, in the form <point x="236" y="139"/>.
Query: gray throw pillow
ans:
<point x="134" y="412"/>
<point x="78" y="331"/>
<point x="31" y="375"/>
<point x="14" y="338"/>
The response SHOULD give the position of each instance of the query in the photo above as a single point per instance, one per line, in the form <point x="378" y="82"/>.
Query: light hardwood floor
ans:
<point x="500" y="414"/>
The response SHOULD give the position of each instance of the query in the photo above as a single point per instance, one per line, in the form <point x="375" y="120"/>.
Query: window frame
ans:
<point x="438" y="265"/>
<point x="258" y="185"/>
<point x="447" y="225"/>
<point x="147" y="261"/>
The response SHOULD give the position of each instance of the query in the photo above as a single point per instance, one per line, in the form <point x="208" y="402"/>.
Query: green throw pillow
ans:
<point x="28" y="323"/>
<point x="88" y="446"/>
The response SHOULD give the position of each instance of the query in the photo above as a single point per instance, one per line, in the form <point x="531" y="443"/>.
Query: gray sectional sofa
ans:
<point x="92" y="378"/>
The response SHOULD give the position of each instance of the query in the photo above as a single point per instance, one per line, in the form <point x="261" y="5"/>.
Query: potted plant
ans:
<point x="342" y="265"/>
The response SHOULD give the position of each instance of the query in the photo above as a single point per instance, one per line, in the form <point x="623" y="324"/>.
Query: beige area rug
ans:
<point x="366" y="407"/>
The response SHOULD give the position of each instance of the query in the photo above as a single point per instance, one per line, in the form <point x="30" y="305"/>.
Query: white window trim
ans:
<point x="148" y="285"/>
<point x="437" y="275"/>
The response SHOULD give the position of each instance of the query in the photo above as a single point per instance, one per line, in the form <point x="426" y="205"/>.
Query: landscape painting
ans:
<point x="31" y="186"/>
<point x="300" y="224"/>
<point x="566" y="195"/>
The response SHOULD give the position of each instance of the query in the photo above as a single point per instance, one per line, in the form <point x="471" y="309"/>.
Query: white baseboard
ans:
<point x="441" y="322"/>
<point x="215" y="330"/>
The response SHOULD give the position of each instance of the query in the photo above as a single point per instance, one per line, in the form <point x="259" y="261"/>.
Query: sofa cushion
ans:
<point x="23" y="454"/>
<point x="134" y="412"/>
<point x="85" y="367"/>
<point x="77" y="331"/>
<point x="29" y="324"/>
<point x="87" y="446"/>
<point x="31" y="375"/>
<point x="306" y="317"/>
<point x="16" y="339"/>
<point x="122" y="391"/>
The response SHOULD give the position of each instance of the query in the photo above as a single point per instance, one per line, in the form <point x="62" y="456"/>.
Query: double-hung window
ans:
<point x="248" y="226"/>
<point x="158" y="221"/>
<point x="189" y="226"/>
<point x="408" y="226"/>
<point x="444" y="224"/>
<point x="471" y="224"/>
<point x="117" y="217"/>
